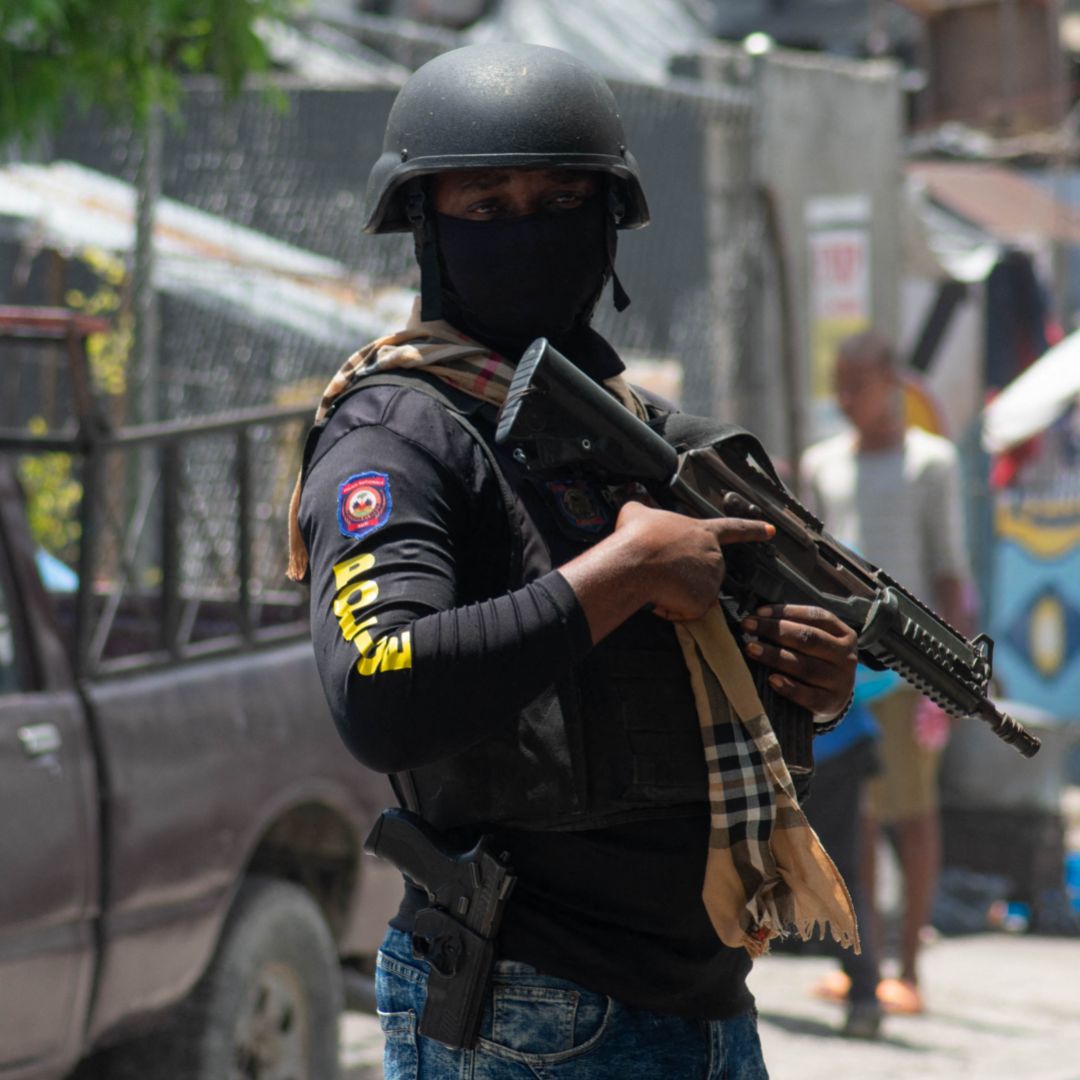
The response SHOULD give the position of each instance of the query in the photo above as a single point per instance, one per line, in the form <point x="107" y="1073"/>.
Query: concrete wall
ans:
<point x="831" y="129"/>
<point x="821" y="128"/>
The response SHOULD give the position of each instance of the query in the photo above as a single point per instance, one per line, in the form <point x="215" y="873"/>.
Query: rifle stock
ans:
<point x="568" y="421"/>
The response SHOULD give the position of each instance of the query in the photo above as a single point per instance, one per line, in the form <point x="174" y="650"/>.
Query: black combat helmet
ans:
<point x="502" y="104"/>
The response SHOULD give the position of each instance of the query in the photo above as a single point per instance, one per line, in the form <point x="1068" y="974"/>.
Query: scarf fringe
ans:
<point x="298" y="553"/>
<point x="777" y="876"/>
<point x="758" y="943"/>
<point x="811" y="928"/>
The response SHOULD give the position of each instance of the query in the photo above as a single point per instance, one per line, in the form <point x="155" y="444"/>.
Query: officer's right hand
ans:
<point x="680" y="559"/>
<point x="672" y="562"/>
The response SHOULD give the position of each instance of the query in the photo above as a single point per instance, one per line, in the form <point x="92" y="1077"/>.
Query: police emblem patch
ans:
<point x="579" y="505"/>
<point x="364" y="504"/>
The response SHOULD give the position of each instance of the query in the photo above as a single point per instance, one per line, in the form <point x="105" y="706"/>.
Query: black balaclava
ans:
<point x="507" y="282"/>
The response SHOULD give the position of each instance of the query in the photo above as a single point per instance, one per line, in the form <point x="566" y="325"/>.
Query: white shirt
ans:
<point x="899" y="508"/>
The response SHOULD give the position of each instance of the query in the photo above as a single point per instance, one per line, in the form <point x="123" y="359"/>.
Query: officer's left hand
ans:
<point x="812" y="651"/>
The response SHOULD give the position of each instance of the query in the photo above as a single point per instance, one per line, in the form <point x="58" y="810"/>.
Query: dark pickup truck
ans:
<point x="181" y="866"/>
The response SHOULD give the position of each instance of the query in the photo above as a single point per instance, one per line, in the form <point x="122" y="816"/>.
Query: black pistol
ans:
<point x="467" y="891"/>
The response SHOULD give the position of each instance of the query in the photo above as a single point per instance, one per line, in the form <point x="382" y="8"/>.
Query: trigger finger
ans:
<point x="738" y="530"/>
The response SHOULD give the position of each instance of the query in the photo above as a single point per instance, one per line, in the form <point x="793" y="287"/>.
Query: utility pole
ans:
<point x="146" y="326"/>
<point x="1061" y="158"/>
<point x="146" y="330"/>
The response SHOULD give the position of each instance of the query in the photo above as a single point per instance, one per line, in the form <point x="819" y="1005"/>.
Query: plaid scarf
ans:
<point x="766" y="871"/>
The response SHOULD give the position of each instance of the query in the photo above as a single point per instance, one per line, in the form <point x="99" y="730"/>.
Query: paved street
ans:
<point x="1001" y="1007"/>
<point x="361" y="1048"/>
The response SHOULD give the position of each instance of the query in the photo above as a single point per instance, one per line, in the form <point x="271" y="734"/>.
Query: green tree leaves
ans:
<point x="127" y="56"/>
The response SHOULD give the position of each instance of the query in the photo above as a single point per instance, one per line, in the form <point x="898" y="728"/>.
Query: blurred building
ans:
<point x="994" y="64"/>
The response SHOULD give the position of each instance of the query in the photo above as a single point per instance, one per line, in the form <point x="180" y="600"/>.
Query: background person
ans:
<point x="892" y="493"/>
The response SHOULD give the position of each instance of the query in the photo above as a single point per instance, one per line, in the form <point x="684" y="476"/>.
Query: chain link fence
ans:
<point x="298" y="174"/>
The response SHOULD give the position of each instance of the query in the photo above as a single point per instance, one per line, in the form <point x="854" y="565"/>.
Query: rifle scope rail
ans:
<point x="899" y="626"/>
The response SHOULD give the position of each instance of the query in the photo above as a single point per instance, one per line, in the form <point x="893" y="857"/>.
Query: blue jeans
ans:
<point x="537" y="1027"/>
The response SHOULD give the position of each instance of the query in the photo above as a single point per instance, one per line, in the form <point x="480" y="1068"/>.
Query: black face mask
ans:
<point x="508" y="282"/>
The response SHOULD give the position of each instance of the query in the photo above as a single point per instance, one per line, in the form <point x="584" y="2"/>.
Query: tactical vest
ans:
<point x="617" y="739"/>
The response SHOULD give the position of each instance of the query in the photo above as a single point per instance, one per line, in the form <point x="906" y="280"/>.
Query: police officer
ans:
<point x="503" y="644"/>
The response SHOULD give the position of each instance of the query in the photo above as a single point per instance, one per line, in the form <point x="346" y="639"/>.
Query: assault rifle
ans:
<point x="556" y="417"/>
<point x="467" y="893"/>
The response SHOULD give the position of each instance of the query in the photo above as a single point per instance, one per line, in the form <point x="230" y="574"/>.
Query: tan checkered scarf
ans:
<point x="766" y="870"/>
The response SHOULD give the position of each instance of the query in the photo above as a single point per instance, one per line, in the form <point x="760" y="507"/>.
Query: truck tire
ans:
<point x="267" y="1007"/>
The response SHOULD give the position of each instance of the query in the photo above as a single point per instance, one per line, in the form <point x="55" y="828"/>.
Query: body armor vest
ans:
<point x="615" y="740"/>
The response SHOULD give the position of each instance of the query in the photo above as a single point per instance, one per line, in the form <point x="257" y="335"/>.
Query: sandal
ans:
<point x="900" y="997"/>
<point x="833" y="987"/>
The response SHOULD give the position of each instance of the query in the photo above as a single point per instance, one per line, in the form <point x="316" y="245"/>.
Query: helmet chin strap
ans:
<point x="427" y="254"/>
<point x="616" y="212"/>
<point x="618" y="294"/>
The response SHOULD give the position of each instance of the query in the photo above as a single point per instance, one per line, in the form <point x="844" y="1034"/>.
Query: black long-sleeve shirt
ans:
<point x="423" y="654"/>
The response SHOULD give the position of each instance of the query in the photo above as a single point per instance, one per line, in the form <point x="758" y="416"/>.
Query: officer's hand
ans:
<point x="812" y="651"/>
<point x="680" y="558"/>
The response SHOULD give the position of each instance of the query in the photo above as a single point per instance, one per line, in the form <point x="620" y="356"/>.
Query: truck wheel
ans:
<point x="268" y="1006"/>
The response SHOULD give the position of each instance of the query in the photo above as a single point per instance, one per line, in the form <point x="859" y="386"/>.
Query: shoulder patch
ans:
<point x="364" y="504"/>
